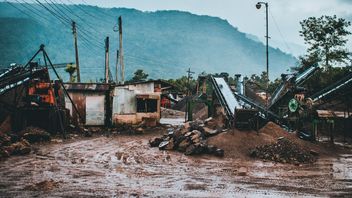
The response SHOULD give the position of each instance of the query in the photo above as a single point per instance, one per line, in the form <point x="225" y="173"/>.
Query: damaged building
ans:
<point x="102" y="104"/>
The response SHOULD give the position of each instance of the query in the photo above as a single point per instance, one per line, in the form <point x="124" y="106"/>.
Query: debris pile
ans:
<point x="191" y="141"/>
<point x="284" y="151"/>
<point x="10" y="146"/>
<point x="19" y="144"/>
<point x="33" y="134"/>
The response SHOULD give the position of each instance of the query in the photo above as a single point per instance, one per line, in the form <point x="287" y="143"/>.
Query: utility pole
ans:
<point x="74" y="32"/>
<point x="121" y="51"/>
<point x="107" y="60"/>
<point x="188" y="107"/>
<point x="117" y="66"/>
<point x="188" y="80"/>
<point x="258" y="6"/>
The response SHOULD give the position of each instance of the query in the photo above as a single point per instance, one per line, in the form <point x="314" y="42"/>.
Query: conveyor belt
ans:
<point x="225" y="96"/>
<point x="298" y="78"/>
<point x="345" y="82"/>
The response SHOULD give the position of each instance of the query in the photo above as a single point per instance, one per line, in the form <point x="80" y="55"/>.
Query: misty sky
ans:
<point x="244" y="15"/>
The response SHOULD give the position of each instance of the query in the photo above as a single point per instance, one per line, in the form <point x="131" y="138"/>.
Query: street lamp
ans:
<point x="258" y="6"/>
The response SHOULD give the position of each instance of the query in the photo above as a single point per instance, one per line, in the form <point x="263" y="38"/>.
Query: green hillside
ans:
<point x="163" y="43"/>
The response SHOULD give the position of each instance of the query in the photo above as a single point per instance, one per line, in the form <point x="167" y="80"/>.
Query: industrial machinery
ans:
<point x="30" y="98"/>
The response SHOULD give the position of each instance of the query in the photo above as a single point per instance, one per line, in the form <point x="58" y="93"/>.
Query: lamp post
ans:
<point x="258" y="6"/>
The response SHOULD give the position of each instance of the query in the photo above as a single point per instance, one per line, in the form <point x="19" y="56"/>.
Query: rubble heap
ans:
<point x="284" y="151"/>
<point x="34" y="134"/>
<point x="191" y="141"/>
<point x="10" y="146"/>
<point x="19" y="144"/>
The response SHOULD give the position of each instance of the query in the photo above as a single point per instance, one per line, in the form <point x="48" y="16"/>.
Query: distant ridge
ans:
<point x="163" y="43"/>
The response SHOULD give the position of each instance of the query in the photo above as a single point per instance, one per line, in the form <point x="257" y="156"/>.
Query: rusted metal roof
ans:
<point x="99" y="87"/>
<point x="147" y="96"/>
<point x="162" y="82"/>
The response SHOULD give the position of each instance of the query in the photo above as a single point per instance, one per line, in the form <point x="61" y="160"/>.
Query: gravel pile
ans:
<point x="284" y="151"/>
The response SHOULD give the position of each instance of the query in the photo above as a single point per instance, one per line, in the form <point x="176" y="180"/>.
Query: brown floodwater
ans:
<point x="125" y="166"/>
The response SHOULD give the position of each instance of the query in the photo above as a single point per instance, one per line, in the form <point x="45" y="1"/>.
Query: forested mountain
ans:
<point x="163" y="43"/>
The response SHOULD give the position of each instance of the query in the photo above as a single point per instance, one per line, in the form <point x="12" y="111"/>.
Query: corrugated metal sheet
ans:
<point x="228" y="95"/>
<point x="84" y="87"/>
<point x="124" y="101"/>
<point x="95" y="110"/>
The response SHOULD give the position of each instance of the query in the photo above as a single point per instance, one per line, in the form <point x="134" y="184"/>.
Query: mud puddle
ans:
<point x="125" y="166"/>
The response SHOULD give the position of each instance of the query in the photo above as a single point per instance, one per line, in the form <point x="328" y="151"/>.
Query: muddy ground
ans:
<point x="125" y="166"/>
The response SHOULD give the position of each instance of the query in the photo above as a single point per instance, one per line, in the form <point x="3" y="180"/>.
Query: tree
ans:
<point x="71" y="69"/>
<point x="182" y="84"/>
<point x="326" y="39"/>
<point x="139" y="75"/>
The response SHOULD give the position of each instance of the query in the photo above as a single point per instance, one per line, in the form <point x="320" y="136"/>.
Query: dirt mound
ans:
<point x="237" y="144"/>
<point x="284" y="151"/>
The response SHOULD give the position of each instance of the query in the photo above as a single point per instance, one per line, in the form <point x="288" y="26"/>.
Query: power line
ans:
<point x="70" y="11"/>
<point x="28" y="7"/>
<point x="278" y="29"/>
<point x="53" y="13"/>
<point x="58" y="12"/>
<point x="18" y="9"/>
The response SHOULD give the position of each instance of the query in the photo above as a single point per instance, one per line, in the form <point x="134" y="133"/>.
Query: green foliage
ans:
<point x="324" y="78"/>
<point x="326" y="39"/>
<point x="139" y="76"/>
<point x="71" y="69"/>
<point x="183" y="84"/>
<point x="260" y="82"/>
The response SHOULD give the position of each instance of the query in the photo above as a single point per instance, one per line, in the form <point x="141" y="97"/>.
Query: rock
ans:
<point x="32" y="134"/>
<point x="195" y="137"/>
<point x="313" y="152"/>
<point x="87" y="133"/>
<point x="183" y="145"/>
<point x="21" y="148"/>
<point x="211" y="149"/>
<point x="210" y="132"/>
<point x="163" y="144"/>
<point x="170" y="145"/>
<point x="219" y="153"/>
<point x="5" y="140"/>
<point x="188" y="134"/>
<point x="190" y="150"/>
<point x="253" y="153"/>
<point x="242" y="171"/>
<point x="4" y="153"/>
<point x="207" y="120"/>
<point x="139" y="130"/>
<point x="155" y="142"/>
<point x="56" y="140"/>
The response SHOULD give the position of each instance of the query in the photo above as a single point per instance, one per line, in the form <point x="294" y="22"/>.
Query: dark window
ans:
<point x="147" y="105"/>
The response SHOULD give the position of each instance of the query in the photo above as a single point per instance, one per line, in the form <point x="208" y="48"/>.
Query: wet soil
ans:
<point x="125" y="166"/>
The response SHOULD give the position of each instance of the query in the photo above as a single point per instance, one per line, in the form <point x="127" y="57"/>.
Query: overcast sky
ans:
<point x="244" y="15"/>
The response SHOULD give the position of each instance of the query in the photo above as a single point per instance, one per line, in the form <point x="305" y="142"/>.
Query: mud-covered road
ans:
<point x="125" y="166"/>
